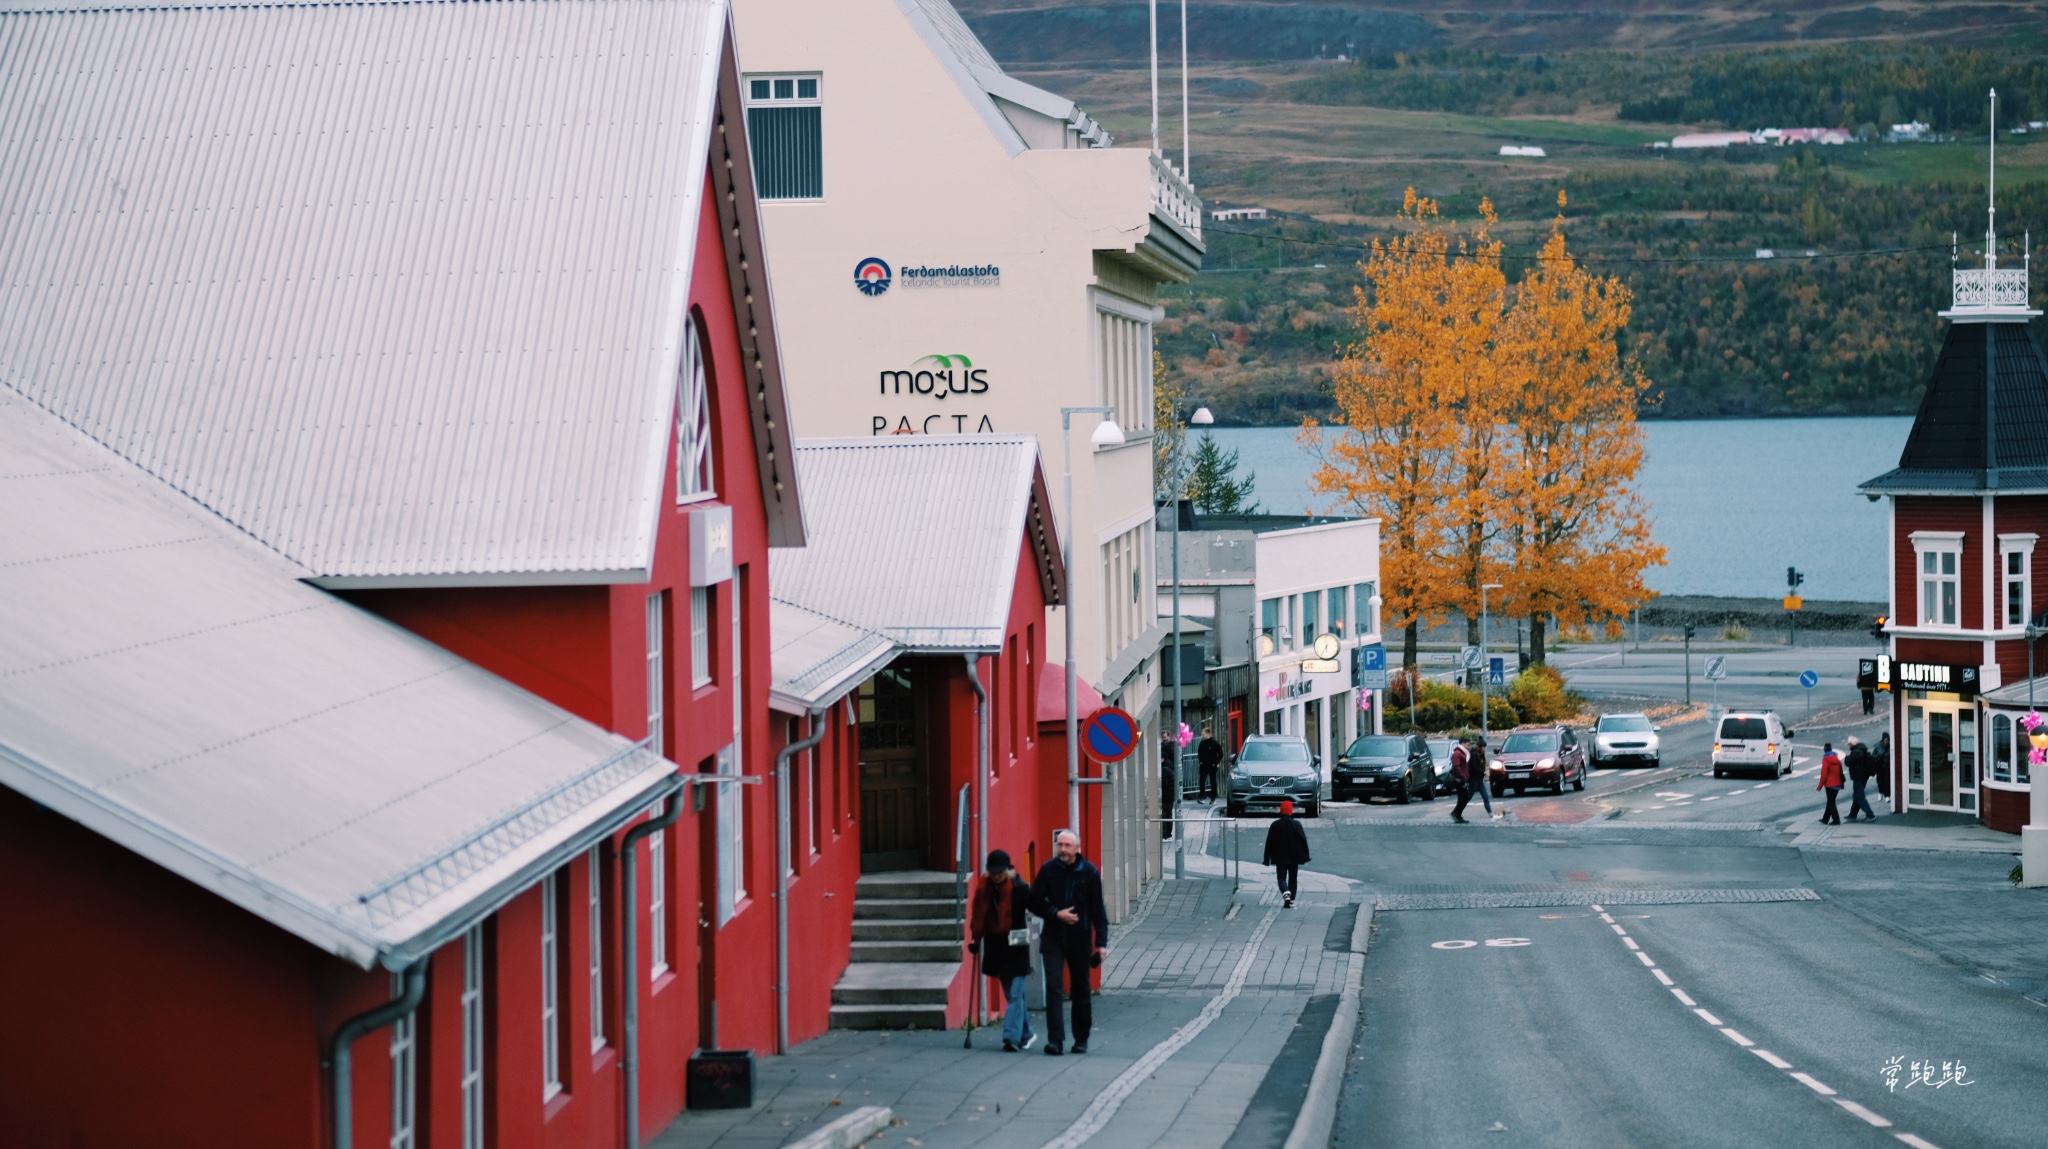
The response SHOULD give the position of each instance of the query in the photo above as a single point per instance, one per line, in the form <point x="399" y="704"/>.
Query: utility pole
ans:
<point x="1106" y="434"/>
<point x="1485" y="669"/>
<point x="1200" y="418"/>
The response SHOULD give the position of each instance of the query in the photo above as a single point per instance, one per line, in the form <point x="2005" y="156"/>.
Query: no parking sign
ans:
<point x="1109" y="735"/>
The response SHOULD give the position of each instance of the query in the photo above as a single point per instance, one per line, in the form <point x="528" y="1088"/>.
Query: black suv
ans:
<point x="1397" y="766"/>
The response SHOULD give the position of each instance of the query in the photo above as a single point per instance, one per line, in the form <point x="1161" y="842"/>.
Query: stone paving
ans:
<point x="1173" y="957"/>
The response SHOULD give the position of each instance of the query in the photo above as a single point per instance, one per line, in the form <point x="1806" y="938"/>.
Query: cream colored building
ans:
<point x="954" y="251"/>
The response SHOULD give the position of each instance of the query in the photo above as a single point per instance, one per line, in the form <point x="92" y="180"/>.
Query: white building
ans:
<point x="957" y="252"/>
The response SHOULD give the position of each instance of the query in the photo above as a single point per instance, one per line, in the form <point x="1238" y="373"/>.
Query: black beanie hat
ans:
<point x="998" y="860"/>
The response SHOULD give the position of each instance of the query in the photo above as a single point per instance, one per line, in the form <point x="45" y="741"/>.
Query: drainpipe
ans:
<point x="411" y="991"/>
<point x="782" y="850"/>
<point x="629" y="997"/>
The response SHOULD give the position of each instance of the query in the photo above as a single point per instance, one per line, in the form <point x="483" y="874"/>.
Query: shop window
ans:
<point x="2001" y="748"/>
<point x="1337" y="597"/>
<point x="785" y="127"/>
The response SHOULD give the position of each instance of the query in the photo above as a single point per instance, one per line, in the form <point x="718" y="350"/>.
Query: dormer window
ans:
<point x="1940" y="558"/>
<point x="693" y="423"/>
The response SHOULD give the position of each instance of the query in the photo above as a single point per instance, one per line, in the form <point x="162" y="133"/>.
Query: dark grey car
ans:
<point x="1270" y="768"/>
<point x="1396" y="766"/>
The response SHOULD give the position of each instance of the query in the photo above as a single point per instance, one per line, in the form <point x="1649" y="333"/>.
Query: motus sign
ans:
<point x="938" y="376"/>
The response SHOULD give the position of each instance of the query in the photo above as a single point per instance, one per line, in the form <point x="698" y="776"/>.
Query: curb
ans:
<point x="847" y="1132"/>
<point x="1318" y="1118"/>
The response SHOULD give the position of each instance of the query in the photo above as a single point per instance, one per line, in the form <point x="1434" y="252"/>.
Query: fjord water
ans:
<point x="1733" y="501"/>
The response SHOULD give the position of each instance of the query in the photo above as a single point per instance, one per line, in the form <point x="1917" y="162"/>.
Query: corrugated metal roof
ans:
<point x="816" y="659"/>
<point x="397" y="288"/>
<point x="917" y="537"/>
<point x="176" y="688"/>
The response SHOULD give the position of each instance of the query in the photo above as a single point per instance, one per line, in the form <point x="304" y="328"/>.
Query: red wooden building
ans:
<point x="1969" y="505"/>
<point x="458" y="311"/>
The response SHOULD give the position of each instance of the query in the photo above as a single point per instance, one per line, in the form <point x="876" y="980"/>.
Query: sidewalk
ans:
<point x="1202" y="992"/>
<point x="1914" y="830"/>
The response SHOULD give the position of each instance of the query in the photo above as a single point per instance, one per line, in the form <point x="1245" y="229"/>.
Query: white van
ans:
<point x="1752" y="741"/>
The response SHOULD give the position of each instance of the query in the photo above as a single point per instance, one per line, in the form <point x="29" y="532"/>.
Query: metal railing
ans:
<point x="1989" y="287"/>
<point x="1232" y="859"/>
<point x="1174" y="197"/>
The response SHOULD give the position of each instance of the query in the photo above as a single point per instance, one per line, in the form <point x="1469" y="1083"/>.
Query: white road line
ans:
<point x="1775" y="1061"/>
<point x="1616" y="927"/>
<point x="1645" y="959"/>
<point x="1106" y="1103"/>
<point x="1629" y="942"/>
<point x="1737" y="1038"/>
<point x="1759" y="785"/>
<point x="1681" y="996"/>
<point x="1916" y="1142"/>
<point x="1810" y="1083"/>
<point x="1608" y="918"/>
<point x="1744" y="790"/>
<point x="1662" y="976"/>
<point x="1859" y="1111"/>
<point x="1714" y="798"/>
<point x="1709" y="1018"/>
<point x="1599" y="910"/>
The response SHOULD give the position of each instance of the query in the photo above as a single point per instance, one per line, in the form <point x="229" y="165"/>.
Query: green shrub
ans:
<point x="1437" y="714"/>
<point x="1539" y="695"/>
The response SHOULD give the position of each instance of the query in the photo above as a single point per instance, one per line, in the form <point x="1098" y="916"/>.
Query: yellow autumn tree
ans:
<point x="1169" y="433"/>
<point x="1578" y="530"/>
<point x="1409" y="389"/>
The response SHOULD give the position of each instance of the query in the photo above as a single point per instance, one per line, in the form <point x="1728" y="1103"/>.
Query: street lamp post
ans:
<point x="1106" y="434"/>
<point x="1201" y="418"/>
<point x="1485" y="671"/>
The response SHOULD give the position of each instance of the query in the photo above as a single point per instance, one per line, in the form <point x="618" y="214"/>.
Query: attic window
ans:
<point x="694" y="480"/>
<point x="785" y="131"/>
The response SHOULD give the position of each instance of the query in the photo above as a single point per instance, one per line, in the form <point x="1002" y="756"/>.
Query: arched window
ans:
<point x="693" y="423"/>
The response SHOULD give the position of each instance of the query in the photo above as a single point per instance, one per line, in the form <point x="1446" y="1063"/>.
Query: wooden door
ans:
<point x="894" y="790"/>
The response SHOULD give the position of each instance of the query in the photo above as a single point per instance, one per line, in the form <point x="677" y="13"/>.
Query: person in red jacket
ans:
<point x="1831" y="781"/>
<point x="1000" y="937"/>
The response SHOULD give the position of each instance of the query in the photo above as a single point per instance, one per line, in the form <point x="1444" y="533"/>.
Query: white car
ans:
<point x="1756" y="741"/>
<point x="1624" y="738"/>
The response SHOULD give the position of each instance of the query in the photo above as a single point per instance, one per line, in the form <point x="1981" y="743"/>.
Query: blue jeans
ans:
<point x="1016" y="1019"/>
<point x="1859" y="802"/>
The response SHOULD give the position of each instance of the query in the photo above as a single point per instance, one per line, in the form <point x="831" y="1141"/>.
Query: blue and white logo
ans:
<point x="872" y="276"/>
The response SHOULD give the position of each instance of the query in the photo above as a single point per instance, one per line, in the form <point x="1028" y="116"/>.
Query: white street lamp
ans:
<point x="1107" y="434"/>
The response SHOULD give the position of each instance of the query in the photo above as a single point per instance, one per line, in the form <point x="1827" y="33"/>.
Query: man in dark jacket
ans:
<point x="1068" y="894"/>
<point x="1862" y="768"/>
<point x="1210" y="754"/>
<point x="1286" y="849"/>
<point x="997" y="919"/>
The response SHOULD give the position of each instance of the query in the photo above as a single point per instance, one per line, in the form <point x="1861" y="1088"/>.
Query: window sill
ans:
<point x="1142" y="439"/>
<point x="662" y="980"/>
<point x="555" y="1103"/>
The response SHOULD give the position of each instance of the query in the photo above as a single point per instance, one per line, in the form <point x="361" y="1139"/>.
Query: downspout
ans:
<point x="980" y="780"/>
<point x="411" y="991"/>
<point x="981" y="759"/>
<point x="629" y="980"/>
<point x="782" y="850"/>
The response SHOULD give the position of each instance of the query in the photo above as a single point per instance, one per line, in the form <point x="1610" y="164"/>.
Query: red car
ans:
<point x="1535" y="756"/>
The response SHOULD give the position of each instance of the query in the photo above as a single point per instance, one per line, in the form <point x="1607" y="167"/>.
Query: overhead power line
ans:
<point x="1514" y="257"/>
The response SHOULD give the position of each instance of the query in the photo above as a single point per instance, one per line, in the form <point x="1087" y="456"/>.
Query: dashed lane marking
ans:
<point x="1684" y="997"/>
<point x="1615" y="926"/>
<point x="1645" y="959"/>
<point x="1916" y="1142"/>
<point x="1662" y="976"/>
<point x="1775" y="1061"/>
<point x="1867" y="1115"/>
<point x="1808" y="1081"/>
<point x="1709" y="1018"/>
<point x="1629" y="942"/>
<point x="1736" y="1038"/>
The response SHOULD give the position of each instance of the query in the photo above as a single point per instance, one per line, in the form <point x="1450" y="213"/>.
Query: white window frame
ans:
<point x="657" y="903"/>
<point x="657" y="640"/>
<point x="1929" y="549"/>
<point x="700" y="636"/>
<point x="550" y="987"/>
<point x="2021" y="547"/>
<point x="695" y="479"/>
<point x="404" y="1074"/>
<point x="1123" y="362"/>
<point x="817" y="100"/>
<point x="596" y="929"/>
<point x="814" y="798"/>
<point x="473" y="1039"/>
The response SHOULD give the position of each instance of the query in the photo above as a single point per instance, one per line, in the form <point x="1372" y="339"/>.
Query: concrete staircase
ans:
<point x="907" y="948"/>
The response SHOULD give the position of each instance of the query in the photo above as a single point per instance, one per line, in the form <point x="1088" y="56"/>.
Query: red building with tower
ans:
<point x="1969" y="507"/>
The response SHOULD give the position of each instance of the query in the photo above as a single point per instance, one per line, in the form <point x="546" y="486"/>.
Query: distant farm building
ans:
<point x="1230" y="213"/>
<point x="1520" y="150"/>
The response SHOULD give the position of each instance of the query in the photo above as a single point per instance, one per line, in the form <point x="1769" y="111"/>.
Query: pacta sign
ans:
<point x="938" y="376"/>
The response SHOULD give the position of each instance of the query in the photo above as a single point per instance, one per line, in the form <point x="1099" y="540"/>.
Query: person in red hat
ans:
<point x="1286" y="849"/>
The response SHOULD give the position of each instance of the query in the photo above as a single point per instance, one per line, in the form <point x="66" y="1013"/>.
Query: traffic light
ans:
<point x="1877" y="628"/>
<point x="1688" y="632"/>
<point x="1793" y="578"/>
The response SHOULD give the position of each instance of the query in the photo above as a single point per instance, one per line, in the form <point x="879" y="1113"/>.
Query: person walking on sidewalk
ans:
<point x="1210" y="755"/>
<point x="1831" y="781"/>
<point x="1286" y="849"/>
<point x="1468" y="771"/>
<point x="1002" y="939"/>
<point x="1862" y="767"/>
<point x="1068" y="894"/>
<point x="1168" y="785"/>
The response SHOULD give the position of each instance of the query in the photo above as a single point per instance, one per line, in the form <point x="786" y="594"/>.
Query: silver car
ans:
<point x="1270" y="768"/>
<point x="1620" y="739"/>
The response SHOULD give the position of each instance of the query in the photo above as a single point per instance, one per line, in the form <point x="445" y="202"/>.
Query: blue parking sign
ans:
<point x="1369" y="666"/>
<point x="1497" y="671"/>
